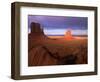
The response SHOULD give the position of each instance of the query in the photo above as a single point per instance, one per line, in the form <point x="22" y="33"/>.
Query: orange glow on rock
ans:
<point x="68" y="35"/>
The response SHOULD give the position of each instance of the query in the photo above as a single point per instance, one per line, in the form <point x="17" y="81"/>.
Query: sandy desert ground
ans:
<point x="57" y="50"/>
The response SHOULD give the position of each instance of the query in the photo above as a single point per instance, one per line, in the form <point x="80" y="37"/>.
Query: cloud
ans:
<point x="58" y="22"/>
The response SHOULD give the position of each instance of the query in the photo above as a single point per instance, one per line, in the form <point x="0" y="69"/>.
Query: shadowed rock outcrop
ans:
<point x="36" y="33"/>
<point x="36" y="29"/>
<point x="37" y="55"/>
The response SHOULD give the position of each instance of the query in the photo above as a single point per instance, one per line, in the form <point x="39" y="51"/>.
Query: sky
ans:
<point x="58" y="25"/>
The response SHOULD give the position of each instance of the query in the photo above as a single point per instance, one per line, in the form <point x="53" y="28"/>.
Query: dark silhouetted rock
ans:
<point x="36" y="35"/>
<point x="36" y="29"/>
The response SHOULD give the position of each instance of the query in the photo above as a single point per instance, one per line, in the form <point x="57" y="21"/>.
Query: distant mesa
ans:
<point x="68" y="35"/>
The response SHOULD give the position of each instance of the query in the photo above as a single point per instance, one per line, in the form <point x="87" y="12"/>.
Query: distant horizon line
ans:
<point x="63" y="35"/>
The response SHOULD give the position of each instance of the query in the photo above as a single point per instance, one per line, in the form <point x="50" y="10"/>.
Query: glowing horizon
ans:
<point x="63" y="31"/>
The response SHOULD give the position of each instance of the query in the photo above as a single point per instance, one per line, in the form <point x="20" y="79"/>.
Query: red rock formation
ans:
<point x="43" y="51"/>
<point x="36" y="29"/>
<point x="36" y="33"/>
<point x="68" y="35"/>
<point x="37" y="55"/>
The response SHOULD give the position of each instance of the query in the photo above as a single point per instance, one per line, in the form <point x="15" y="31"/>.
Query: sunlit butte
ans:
<point x="68" y="35"/>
